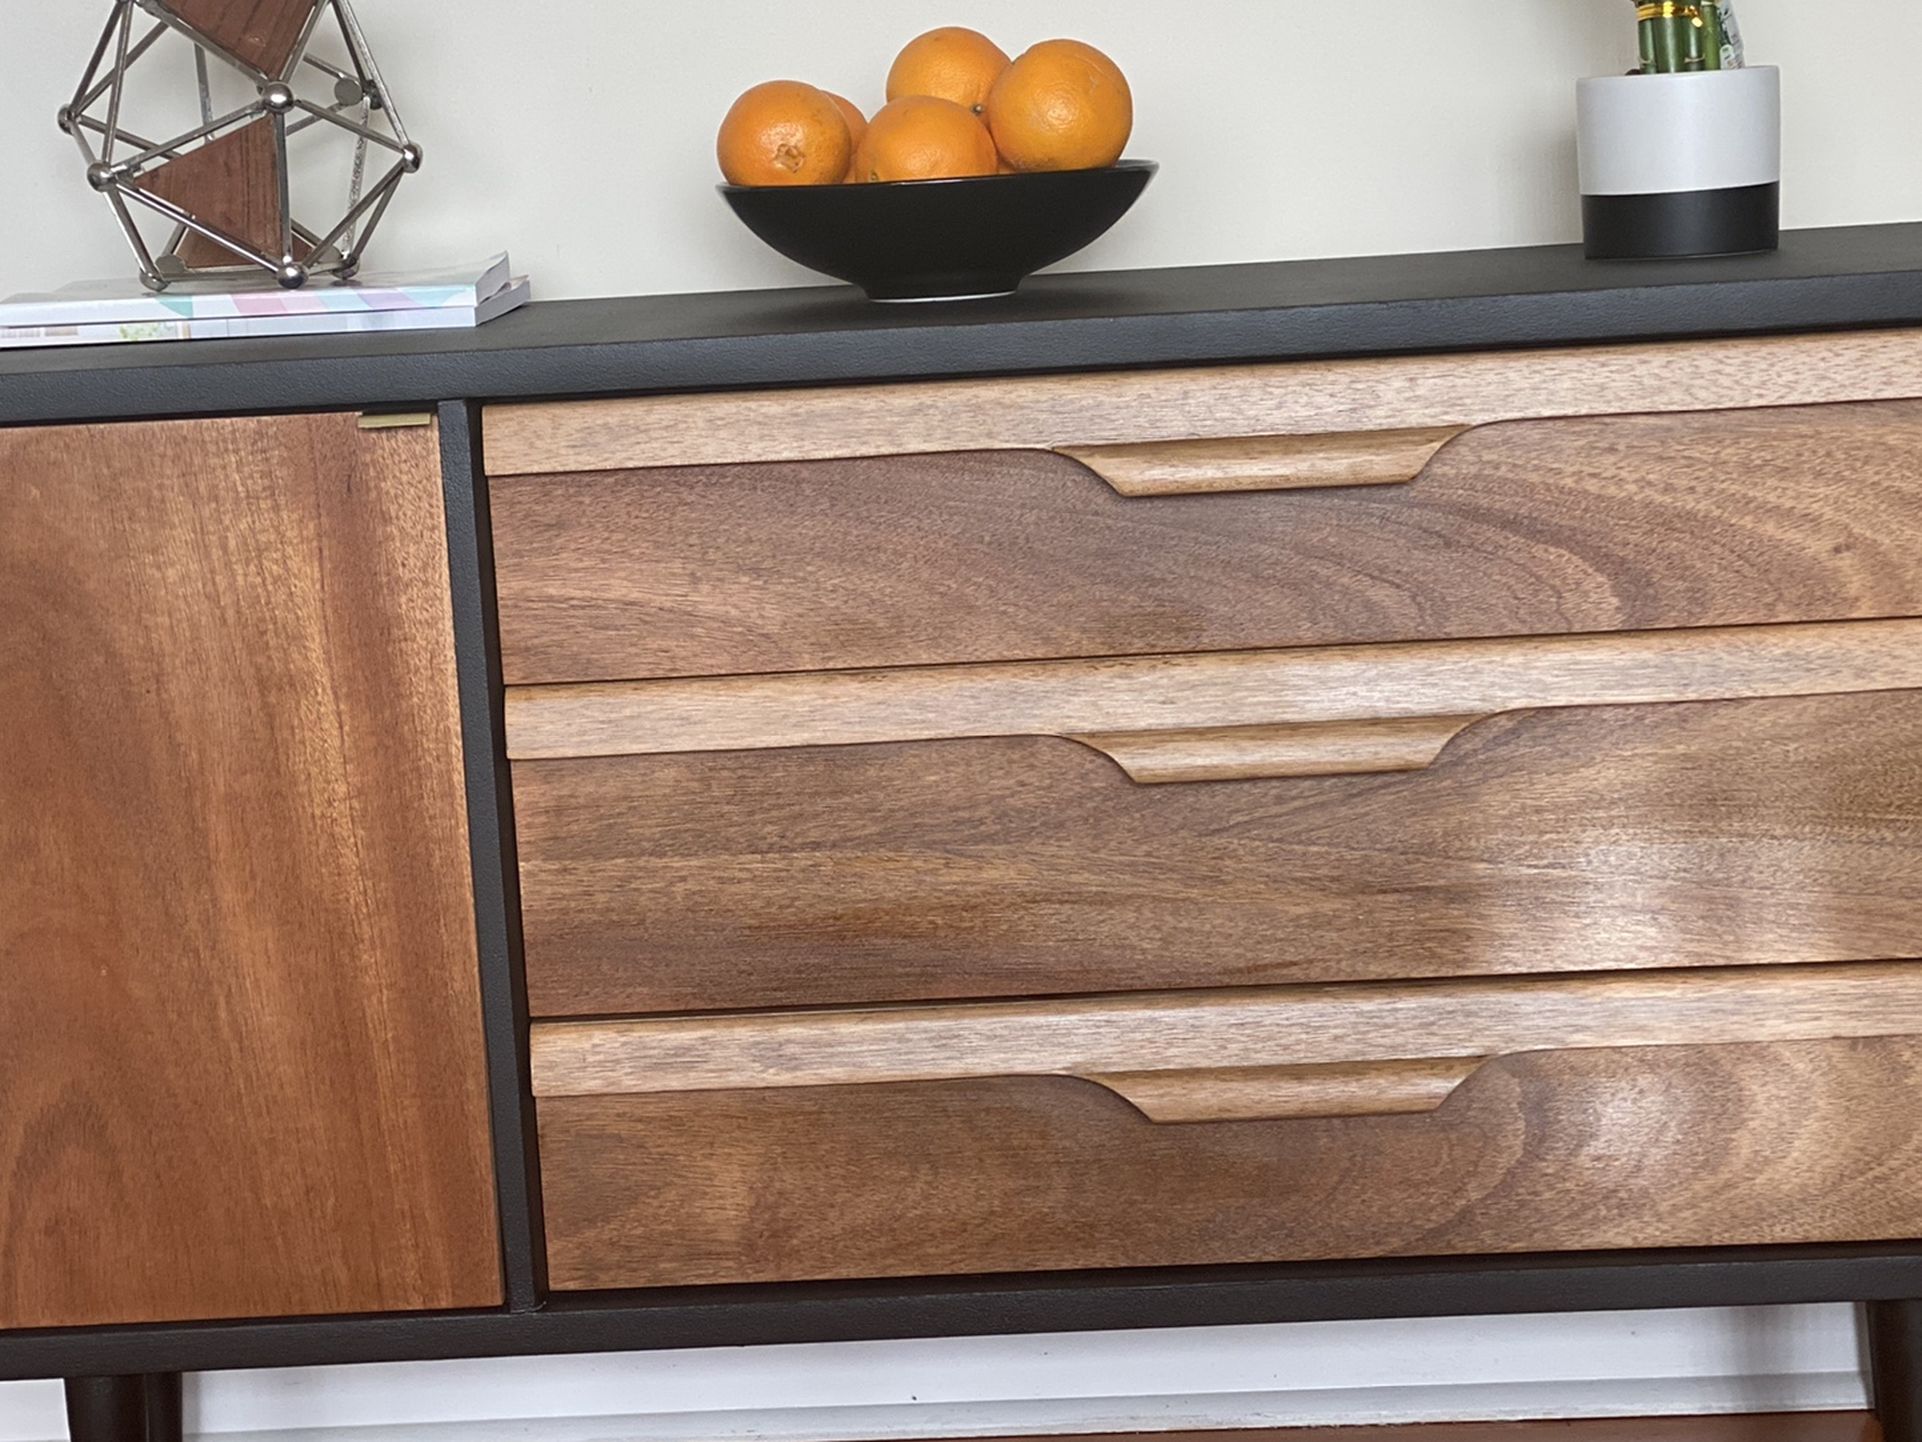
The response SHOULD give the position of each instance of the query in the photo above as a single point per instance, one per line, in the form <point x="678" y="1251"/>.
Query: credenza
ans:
<point x="1331" y="789"/>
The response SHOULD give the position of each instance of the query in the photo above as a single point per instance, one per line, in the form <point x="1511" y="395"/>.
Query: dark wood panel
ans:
<point x="1835" y="283"/>
<point x="1573" y="1150"/>
<point x="240" y="1045"/>
<point x="231" y="184"/>
<point x="1625" y="522"/>
<point x="1710" y="833"/>
<point x="261" y="32"/>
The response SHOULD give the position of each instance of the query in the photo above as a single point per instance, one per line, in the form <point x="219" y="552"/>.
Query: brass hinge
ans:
<point x="395" y="420"/>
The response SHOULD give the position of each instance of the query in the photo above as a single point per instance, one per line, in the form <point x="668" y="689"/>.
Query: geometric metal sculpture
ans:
<point x="228" y="184"/>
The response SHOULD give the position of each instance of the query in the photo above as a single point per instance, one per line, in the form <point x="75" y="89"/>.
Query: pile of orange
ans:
<point x="956" y="106"/>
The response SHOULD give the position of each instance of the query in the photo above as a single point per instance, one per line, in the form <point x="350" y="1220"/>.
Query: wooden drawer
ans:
<point x="1663" y="799"/>
<point x="1756" y="1105"/>
<point x="1208" y="510"/>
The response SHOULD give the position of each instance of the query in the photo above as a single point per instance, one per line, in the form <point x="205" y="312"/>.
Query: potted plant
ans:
<point x="1683" y="155"/>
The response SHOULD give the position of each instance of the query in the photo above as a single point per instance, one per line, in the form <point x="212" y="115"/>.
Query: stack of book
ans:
<point x="113" y="312"/>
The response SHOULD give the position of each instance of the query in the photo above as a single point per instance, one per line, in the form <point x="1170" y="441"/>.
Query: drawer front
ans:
<point x="982" y="1139"/>
<point x="1662" y="828"/>
<point x="1062" y="548"/>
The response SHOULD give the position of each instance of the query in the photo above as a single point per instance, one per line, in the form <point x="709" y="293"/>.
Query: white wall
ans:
<point x="577" y="133"/>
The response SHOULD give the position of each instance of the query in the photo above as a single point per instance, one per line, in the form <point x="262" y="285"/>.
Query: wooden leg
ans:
<point x="1895" y="1368"/>
<point x="124" y="1409"/>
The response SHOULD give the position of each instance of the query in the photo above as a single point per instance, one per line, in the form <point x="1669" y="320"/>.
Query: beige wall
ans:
<point x="580" y="137"/>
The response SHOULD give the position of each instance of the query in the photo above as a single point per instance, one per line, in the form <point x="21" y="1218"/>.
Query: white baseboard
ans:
<point x="1349" y="1373"/>
<point x="1623" y="1397"/>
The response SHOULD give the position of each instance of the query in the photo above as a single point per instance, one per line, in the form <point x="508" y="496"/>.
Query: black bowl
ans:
<point x="941" y="239"/>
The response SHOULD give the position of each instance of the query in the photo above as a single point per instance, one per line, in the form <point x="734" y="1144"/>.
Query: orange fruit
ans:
<point x="857" y="128"/>
<point x="1062" y="106"/>
<point x="784" y="133"/>
<point x="919" y="137"/>
<point x="952" y="63"/>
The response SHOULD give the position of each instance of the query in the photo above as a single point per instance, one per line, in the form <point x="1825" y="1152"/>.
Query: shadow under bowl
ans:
<point x="941" y="239"/>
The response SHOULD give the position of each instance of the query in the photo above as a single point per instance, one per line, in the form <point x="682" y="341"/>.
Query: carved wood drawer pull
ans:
<point x="1246" y="753"/>
<point x="1273" y="1052"/>
<point x="1265" y="463"/>
<point x="1309" y="712"/>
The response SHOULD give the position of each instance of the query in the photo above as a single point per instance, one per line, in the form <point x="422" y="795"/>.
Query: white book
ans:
<point x="336" y="322"/>
<point x="126" y="301"/>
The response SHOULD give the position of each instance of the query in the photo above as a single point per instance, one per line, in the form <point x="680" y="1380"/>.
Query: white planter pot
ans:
<point x="1678" y="165"/>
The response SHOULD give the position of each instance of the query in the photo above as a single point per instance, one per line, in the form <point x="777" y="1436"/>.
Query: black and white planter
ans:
<point x="1681" y="165"/>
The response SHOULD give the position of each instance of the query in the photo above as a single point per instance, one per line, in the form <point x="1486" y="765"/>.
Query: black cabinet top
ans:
<point x="1289" y="310"/>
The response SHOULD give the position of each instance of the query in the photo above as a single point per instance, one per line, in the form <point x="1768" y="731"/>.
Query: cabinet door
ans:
<point x="241" y="1067"/>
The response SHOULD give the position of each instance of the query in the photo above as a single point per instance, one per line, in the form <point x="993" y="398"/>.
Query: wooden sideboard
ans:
<point x="1097" y="839"/>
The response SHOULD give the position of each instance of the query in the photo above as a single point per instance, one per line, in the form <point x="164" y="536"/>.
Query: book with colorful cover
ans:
<point x="335" y="320"/>
<point x="110" y="311"/>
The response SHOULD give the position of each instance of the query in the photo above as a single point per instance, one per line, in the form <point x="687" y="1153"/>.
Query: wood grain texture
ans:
<point x="1711" y="834"/>
<point x="263" y="33"/>
<point x="1153" y="694"/>
<point x="1246" y="753"/>
<point x="231" y="184"/>
<point x="1180" y="1034"/>
<point x="1630" y="522"/>
<point x="241" y="1067"/>
<point x="1667" y="1147"/>
<point x="1264" y="463"/>
<point x="199" y="253"/>
<point x="1234" y="1094"/>
<point x="1129" y="407"/>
